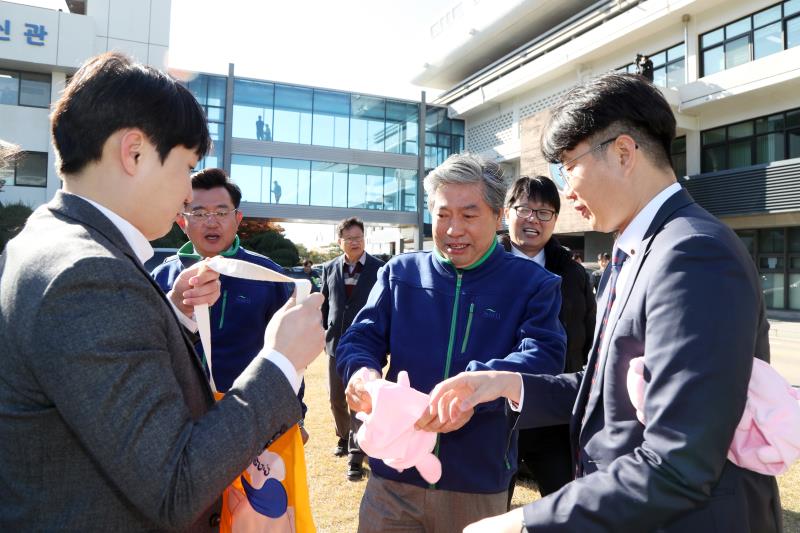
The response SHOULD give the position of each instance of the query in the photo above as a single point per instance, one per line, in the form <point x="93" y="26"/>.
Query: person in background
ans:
<point x="531" y="209"/>
<point x="346" y="283"/>
<point x="602" y="259"/>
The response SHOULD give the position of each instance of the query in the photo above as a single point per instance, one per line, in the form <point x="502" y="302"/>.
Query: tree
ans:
<point x="174" y="239"/>
<point x="275" y="246"/>
<point x="12" y="219"/>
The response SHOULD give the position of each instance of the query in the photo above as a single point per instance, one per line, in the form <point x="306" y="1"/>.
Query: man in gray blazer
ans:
<point x="683" y="292"/>
<point x="346" y="283"/>
<point x="106" y="419"/>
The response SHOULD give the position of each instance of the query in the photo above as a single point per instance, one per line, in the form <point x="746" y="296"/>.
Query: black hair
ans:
<point x="348" y="223"/>
<point x="211" y="178"/>
<point x="111" y="92"/>
<point x="537" y="188"/>
<point x="609" y="106"/>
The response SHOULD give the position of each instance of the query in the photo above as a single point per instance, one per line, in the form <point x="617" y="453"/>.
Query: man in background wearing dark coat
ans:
<point x="532" y="207"/>
<point x="346" y="283"/>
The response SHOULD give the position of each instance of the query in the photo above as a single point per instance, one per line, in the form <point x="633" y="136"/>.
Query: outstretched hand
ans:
<point x="195" y="285"/>
<point x="453" y="401"/>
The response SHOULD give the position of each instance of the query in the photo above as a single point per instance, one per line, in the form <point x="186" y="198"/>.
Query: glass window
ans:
<point x="367" y="122"/>
<point x="676" y="52"/>
<point x="401" y="125"/>
<point x="660" y="76"/>
<point x="768" y="40"/>
<point x="791" y="7"/>
<point x="213" y="158"/>
<point x="772" y="287"/>
<point x="793" y="32"/>
<point x="252" y="175"/>
<point x="737" y="28"/>
<point x="331" y="125"/>
<point x="292" y="120"/>
<point x="713" y="61"/>
<point x="217" y="87"/>
<point x="793" y="117"/>
<point x="768" y="15"/>
<point x="794" y="143"/>
<point x="748" y="238"/>
<point x="32" y="170"/>
<point x="365" y="187"/>
<point x="742" y="129"/>
<point x="34" y="89"/>
<point x="328" y="184"/>
<point x="794" y="242"/>
<point x="714" y="136"/>
<point x="740" y="154"/>
<point x="737" y="52"/>
<point x="771" y="123"/>
<point x="675" y="73"/>
<point x="678" y="156"/>
<point x="252" y="109"/>
<point x="713" y="159"/>
<point x="712" y="38"/>
<point x="794" y="291"/>
<point x="9" y="87"/>
<point x="769" y="148"/>
<point x="290" y="181"/>
<point x="770" y="241"/>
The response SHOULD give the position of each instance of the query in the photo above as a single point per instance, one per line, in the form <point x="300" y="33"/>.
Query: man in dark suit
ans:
<point x="105" y="411"/>
<point x="683" y="292"/>
<point x="346" y="282"/>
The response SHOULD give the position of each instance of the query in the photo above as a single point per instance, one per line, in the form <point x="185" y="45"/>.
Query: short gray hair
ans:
<point x="469" y="169"/>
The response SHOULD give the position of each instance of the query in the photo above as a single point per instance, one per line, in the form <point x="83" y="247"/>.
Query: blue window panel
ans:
<point x="331" y="121"/>
<point x="252" y="109"/>
<point x="252" y="175"/>
<point x="292" y="119"/>
<point x="9" y="87"/>
<point x="293" y="177"/>
<point x="768" y="40"/>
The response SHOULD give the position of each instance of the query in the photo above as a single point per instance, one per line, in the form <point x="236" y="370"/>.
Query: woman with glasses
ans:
<point x="532" y="206"/>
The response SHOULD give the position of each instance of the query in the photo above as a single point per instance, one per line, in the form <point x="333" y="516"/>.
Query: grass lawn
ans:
<point x="334" y="500"/>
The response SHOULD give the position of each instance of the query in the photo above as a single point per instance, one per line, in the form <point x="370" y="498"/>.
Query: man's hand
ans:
<point x="453" y="400"/>
<point x="296" y="331"/>
<point x="510" y="522"/>
<point x="358" y="399"/>
<point x="445" y="415"/>
<point x="196" y="285"/>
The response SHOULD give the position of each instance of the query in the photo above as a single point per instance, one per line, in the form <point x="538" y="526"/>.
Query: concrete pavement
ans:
<point x="784" y="342"/>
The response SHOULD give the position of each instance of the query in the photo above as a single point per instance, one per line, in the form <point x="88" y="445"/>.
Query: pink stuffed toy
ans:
<point x="388" y="433"/>
<point x="767" y="439"/>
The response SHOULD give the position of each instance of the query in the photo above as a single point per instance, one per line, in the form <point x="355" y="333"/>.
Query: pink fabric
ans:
<point x="388" y="433"/>
<point x="767" y="439"/>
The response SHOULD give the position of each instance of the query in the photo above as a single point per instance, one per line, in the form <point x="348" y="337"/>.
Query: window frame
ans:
<point x="783" y="19"/>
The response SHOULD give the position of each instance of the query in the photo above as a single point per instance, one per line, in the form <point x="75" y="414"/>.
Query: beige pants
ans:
<point x="399" y="507"/>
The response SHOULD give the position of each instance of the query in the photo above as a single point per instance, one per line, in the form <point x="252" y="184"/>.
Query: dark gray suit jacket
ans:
<point x="338" y="311"/>
<point x="106" y="418"/>
<point x="693" y="307"/>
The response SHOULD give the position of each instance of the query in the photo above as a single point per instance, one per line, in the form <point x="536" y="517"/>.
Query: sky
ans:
<point x="370" y="46"/>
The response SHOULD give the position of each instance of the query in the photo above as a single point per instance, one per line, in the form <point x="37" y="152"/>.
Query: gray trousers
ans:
<point x="345" y="421"/>
<point x="400" y="507"/>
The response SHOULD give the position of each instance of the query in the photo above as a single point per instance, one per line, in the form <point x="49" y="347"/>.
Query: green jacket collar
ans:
<point x="445" y="261"/>
<point x="187" y="250"/>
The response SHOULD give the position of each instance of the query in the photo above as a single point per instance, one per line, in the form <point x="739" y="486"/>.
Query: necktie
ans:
<point x="611" y="289"/>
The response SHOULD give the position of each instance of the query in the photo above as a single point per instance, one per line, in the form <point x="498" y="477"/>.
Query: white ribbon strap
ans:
<point x="240" y="269"/>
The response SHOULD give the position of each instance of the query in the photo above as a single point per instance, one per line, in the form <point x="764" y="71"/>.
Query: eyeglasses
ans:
<point x="352" y="240"/>
<point x="199" y="216"/>
<point x="544" y="215"/>
<point x="563" y="183"/>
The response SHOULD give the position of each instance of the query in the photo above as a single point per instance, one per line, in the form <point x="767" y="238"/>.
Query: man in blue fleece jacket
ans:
<point x="240" y="316"/>
<point x="467" y="305"/>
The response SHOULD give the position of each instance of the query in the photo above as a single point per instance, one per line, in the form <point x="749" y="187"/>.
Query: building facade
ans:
<point x="729" y="69"/>
<point x="301" y="154"/>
